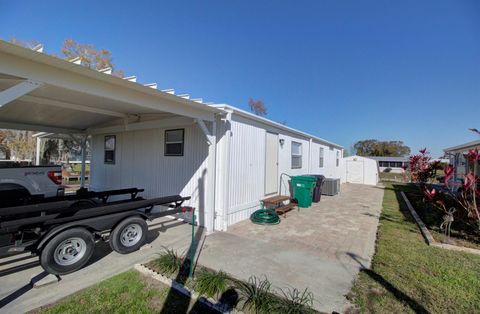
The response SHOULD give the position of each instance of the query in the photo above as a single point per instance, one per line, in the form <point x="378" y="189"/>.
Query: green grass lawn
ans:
<point x="78" y="167"/>
<point x="128" y="292"/>
<point x="391" y="176"/>
<point x="409" y="276"/>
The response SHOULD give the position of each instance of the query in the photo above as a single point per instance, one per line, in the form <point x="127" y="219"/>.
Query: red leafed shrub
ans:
<point x="422" y="169"/>
<point x="462" y="196"/>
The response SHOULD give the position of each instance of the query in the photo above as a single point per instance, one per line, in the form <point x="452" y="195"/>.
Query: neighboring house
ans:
<point x="226" y="159"/>
<point x="391" y="164"/>
<point x="458" y="157"/>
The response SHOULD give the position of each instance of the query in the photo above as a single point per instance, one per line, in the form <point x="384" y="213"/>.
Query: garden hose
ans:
<point x="265" y="217"/>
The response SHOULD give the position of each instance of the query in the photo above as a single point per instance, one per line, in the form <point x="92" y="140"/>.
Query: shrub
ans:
<point x="256" y="295"/>
<point x="422" y="168"/>
<point x="168" y="262"/>
<point x="212" y="283"/>
<point x="295" y="302"/>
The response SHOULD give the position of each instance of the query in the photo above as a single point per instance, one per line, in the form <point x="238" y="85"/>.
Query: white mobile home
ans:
<point x="251" y="153"/>
<point x="226" y="159"/>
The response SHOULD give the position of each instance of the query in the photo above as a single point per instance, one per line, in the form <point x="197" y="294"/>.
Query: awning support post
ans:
<point x="38" y="151"/>
<point x="84" y="158"/>
<point x="211" y="137"/>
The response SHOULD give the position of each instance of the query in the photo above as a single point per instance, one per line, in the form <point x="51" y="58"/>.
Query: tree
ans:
<point x="89" y="55"/>
<point x="30" y="44"/>
<point x="4" y="149"/>
<point x="257" y="107"/>
<point x="381" y="148"/>
<point x="20" y="144"/>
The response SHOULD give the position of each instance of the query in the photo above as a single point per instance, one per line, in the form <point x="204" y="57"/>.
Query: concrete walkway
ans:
<point x="18" y="296"/>
<point x="320" y="248"/>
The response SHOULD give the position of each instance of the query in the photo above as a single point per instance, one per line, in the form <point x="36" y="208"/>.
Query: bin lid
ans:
<point x="304" y="178"/>
<point x="319" y="177"/>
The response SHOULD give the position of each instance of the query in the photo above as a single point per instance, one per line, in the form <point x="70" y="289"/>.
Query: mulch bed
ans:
<point x="463" y="231"/>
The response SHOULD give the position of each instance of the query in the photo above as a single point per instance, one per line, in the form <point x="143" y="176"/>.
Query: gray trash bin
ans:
<point x="317" y="191"/>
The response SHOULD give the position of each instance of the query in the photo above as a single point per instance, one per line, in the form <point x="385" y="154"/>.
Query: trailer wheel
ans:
<point x="129" y="235"/>
<point x="68" y="251"/>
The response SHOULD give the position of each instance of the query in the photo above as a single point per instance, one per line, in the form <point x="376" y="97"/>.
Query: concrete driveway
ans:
<point x="18" y="296"/>
<point x="321" y="248"/>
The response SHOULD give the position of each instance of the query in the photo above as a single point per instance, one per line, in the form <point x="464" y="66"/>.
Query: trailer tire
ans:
<point x="129" y="235"/>
<point x="68" y="251"/>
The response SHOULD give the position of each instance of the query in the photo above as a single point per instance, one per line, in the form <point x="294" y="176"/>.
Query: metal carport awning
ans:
<point x="43" y="93"/>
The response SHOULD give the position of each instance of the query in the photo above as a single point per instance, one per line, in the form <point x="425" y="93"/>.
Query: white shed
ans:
<point x="226" y="159"/>
<point x="361" y="170"/>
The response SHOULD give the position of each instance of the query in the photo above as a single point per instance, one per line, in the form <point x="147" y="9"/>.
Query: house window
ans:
<point x="322" y="156"/>
<point x="338" y="158"/>
<point x="174" y="141"/>
<point x="296" y="155"/>
<point x="109" y="149"/>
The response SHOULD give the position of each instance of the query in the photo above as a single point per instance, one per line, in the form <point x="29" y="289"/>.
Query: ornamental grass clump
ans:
<point x="256" y="295"/>
<point x="295" y="302"/>
<point x="168" y="262"/>
<point x="212" y="283"/>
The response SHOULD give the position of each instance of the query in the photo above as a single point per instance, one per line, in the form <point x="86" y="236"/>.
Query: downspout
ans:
<point x="310" y="141"/>
<point x="226" y="168"/>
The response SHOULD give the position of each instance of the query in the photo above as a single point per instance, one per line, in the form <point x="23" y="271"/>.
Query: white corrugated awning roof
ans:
<point x="45" y="93"/>
<point x="463" y="147"/>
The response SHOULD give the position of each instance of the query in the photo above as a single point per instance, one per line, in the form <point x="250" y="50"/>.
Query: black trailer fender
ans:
<point x="94" y="224"/>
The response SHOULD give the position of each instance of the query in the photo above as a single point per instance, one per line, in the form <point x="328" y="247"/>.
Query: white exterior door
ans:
<point x="354" y="171"/>
<point x="271" y="163"/>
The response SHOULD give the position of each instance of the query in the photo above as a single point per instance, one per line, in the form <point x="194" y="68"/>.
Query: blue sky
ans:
<point x="342" y="70"/>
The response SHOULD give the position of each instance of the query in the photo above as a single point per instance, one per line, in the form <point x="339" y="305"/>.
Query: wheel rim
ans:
<point x="70" y="251"/>
<point x="131" y="235"/>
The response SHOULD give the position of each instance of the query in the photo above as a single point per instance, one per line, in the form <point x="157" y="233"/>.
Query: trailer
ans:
<point x="63" y="231"/>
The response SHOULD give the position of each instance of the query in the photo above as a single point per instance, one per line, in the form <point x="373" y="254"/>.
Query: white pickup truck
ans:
<point x="20" y="183"/>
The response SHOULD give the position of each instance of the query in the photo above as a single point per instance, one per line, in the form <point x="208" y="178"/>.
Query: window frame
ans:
<point x="174" y="142"/>
<point x="337" y="159"/>
<point x="105" y="150"/>
<point x="321" y="158"/>
<point x="292" y="155"/>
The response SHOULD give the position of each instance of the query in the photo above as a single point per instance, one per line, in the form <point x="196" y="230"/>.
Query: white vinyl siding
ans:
<point x="140" y="162"/>
<point x="296" y="155"/>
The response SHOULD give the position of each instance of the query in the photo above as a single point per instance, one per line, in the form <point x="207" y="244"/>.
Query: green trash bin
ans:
<point x="302" y="190"/>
